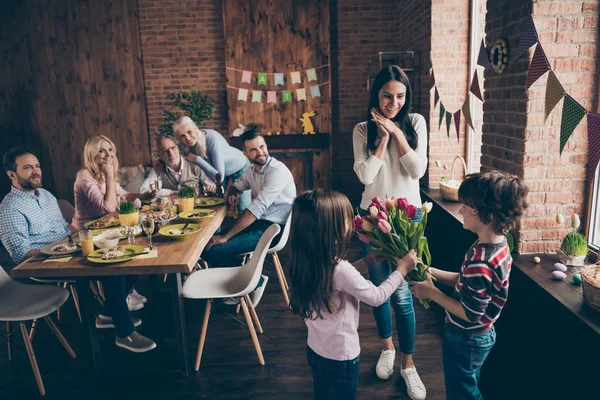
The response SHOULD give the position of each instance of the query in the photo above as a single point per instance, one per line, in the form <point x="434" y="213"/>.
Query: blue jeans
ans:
<point x="333" y="379"/>
<point x="401" y="300"/>
<point x="245" y="197"/>
<point x="116" y="289"/>
<point x="463" y="357"/>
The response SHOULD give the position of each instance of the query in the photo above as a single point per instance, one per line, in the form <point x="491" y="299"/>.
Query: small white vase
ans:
<point x="571" y="261"/>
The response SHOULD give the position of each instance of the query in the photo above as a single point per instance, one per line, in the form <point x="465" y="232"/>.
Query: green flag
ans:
<point x="572" y="114"/>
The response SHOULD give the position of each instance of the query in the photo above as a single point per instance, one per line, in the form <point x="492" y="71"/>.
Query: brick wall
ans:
<point x="515" y="136"/>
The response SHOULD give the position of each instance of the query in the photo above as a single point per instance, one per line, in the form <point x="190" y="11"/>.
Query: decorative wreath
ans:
<point x="499" y="55"/>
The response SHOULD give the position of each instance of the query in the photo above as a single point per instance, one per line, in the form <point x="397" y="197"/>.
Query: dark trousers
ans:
<point x="116" y="289"/>
<point x="332" y="379"/>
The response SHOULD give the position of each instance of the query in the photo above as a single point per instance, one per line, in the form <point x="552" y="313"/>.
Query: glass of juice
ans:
<point x="86" y="239"/>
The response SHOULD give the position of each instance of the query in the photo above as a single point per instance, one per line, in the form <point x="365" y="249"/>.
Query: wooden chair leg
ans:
<point x="101" y="290"/>
<point x="59" y="336"/>
<point x="96" y="293"/>
<point x="254" y="315"/>
<point x="33" y="329"/>
<point x="32" y="360"/>
<point x="261" y="360"/>
<point x="8" y="340"/>
<point x="165" y="279"/>
<point x="76" y="301"/>
<point x="203" y="333"/>
<point x="59" y="284"/>
<point x="204" y="264"/>
<point x="282" y="281"/>
<point x="238" y="307"/>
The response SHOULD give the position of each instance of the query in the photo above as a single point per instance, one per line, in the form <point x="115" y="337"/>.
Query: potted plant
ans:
<point x="185" y="200"/>
<point x="128" y="214"/>
<point x="574" y="248"/>
<point x="199" y="107"/>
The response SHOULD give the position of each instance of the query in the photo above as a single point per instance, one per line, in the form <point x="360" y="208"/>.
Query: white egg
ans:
<point x="560" y="267"/>
<point x="558" y="275"/>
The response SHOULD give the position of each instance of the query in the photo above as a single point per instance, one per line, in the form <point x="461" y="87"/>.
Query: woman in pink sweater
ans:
<point x="326" y="290"/>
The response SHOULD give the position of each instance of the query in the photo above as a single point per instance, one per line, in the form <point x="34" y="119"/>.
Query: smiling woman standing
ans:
<point x="390" y="156"/>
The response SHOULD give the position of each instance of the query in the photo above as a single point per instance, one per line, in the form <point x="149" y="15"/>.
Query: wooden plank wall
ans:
<point x="277" y="36"/>
<point x="73" y="69"/>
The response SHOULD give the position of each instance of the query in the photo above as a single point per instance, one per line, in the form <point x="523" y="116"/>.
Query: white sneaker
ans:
<point x="385" y="365"/>
<point x="138" y="297"/>
<point x="258" y="292"/>
<point x="414" y="385"/>
<point x="134" y="304"/>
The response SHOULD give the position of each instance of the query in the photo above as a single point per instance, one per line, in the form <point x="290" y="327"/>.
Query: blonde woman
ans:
<point x="210" y="151"/>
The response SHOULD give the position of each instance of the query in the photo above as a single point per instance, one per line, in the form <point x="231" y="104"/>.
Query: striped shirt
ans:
<point x="482" y="288"/>
<point x="30" y="221"/>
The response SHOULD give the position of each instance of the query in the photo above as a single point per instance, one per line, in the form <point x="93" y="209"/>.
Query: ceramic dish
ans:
<point x="103" y="223"/>
<point x="198" y="213"/>
<point x="52" y="249"/>
<point x="209" y="201"/>
<point x="130" y="251"/>
<point x="173" y="231"/>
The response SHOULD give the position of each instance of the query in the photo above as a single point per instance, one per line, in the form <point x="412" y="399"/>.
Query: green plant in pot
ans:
<point x="198" y="106"/>
<point x="185" y="200"/>
<point x="128" y="214"/>
<point x="574" y="248"/>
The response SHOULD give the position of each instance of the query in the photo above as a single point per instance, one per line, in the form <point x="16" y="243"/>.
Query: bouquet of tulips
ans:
<point x="390" y="230"/>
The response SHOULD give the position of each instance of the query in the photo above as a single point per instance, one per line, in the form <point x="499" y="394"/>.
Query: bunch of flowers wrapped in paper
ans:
<point x="392" y="233"/>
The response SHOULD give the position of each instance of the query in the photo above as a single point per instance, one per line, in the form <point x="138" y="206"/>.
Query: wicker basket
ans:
<point x="450" y="192"/>
<point x="591" y="287"/>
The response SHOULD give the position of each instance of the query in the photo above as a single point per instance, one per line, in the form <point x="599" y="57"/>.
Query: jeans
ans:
<point x="116" y="289"/>
<point x="333" y="379"/>
<point x="245" y="197"/>
<point x="401" y="300"/>
<point x="463" y="357"/>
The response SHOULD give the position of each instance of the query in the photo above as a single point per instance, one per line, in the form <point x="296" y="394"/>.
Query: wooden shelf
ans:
<point x="319" y="141"/>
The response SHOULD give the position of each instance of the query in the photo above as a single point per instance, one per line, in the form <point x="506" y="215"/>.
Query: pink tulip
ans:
<point x="382" y="215"/>
<point x="357" y="224"/>
<point x="384" y="226"/>
<point x="364" y="239"/>
<point x="376" y="200"/>
<point x="403" y="204"/>
<point x="411" y="211"/>
<point x="390" y="203"/>
<point x="373" y="211"/>
<point x="381" y="206"/>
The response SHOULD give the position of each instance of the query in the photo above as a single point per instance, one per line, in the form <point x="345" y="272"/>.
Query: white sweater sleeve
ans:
<point x="415" y="161"/>
<point x="366" y="166"/>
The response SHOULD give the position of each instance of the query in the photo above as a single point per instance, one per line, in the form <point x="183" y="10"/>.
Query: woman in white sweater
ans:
<point x="390" y="156"/>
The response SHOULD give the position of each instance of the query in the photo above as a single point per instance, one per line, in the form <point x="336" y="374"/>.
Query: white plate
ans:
<point x="47" y="249"/>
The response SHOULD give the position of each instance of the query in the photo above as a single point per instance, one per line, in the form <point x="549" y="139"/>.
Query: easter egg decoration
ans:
<point x="537" y="260"/>
<point x="500" y="56"/>
<point x="558" y="275"/>
<point x="577" y="279"/>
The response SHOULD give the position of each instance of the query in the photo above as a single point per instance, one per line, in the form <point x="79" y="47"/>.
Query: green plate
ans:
<point x="209" y="201"/>
<point x="131" y="250"/>
<point x="165" y="230"/>
<point x="114" y="223"/>
<point x="198" y="213"/>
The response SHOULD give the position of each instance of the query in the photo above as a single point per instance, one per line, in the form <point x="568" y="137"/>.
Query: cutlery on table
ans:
<point x="125" y="255"/>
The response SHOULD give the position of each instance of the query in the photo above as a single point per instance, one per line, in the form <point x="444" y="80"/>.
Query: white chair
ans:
<point x="20" y="302"/>
<point x="235" y="282"/>
<point x="278" y="268"/>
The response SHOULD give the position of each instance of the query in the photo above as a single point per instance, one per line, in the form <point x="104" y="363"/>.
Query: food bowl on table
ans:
<point x="108" y="240"/>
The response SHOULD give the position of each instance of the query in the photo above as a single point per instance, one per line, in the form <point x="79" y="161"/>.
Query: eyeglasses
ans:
<point x="165" y="151"/>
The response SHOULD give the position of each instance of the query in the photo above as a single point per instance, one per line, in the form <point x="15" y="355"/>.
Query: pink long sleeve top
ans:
<point x="89" y="199"/>
<point x="336" y="335"/>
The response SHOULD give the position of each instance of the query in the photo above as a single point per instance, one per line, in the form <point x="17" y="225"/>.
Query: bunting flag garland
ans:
<point x="242" y="94"/>
<point x="246" y="76"/>
<point x="528" y="38"/>
<point x="466" y="110"/>
<point x="554" y="92"/>
<point x="475" y="87"/>
<point x="436" y="98"/>
<point x="572" y="114"/>
<point x="483" y="59"/>
<point x="301" y="94"/>
<point x="311" y="74"/>
<point x="271" y="96"/>
<point x="593" y="121"/>
<point x="261" y="78"/>
<point x="278" y="77"/>
<point x="538" y="67"/>
<point x="442" y="113"/>
<point x="295" y="77"/>
<point x="448" y="121"/>
<point x="431" y="80"/>
<point x="256" y="96"/>
<point x="315" y="91"/>
<point x="286" y="96"/>
<point x="457" y="123"/>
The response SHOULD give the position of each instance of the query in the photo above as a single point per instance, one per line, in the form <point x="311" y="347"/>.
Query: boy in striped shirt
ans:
<point x="492" y="203"/>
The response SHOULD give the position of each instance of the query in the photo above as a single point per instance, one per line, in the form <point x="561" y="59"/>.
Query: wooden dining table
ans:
<point x="175" y="256"/>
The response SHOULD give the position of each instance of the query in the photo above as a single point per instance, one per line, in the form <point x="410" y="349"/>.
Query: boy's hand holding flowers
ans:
<point x="423" y="290"/>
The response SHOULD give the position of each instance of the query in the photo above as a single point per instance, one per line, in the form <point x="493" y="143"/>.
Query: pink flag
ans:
<point x="246" y="76"/>
<point x="271" y="96"/>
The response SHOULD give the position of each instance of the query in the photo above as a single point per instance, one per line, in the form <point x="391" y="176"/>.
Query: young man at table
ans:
<point x="273" y="191"/>
<point x="174" y="170"/>
<point x="30" y="219"/>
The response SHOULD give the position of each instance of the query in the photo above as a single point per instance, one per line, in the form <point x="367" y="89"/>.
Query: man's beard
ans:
<point x="27" y="184"/>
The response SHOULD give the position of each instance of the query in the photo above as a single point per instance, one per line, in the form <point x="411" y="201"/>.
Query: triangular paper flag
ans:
<point x="475" y="87"/>
<point x="431" y="80"/>
<point x="483" y="59"/>
<point x="246" y="76"/>
<point x="457" y="123"/>
<point x="554" y="92"/>
<point x="256" y="96"/>
<point x="315" y="91"/>
<point x="295" y="77"/>
<point x="466" y="110"/>
<point x="538" y="67"/>
<point x="311" y="74"/>
<point x="528" y="38"/>
<point x="436" y="98"/>
<point x="286" y="96"/>
<point x="271" y="96"/>
<point x="593" y="121"/>
<point x="429" y="64"/>
<point x="442" y="114"/>
<point x="448" y="121"/>
<point x="572" y="114"/>
<point x="278" y="78"/>
<point x="301" y="94"/>
<point x="262" y="79"/>
<point x="242" y="94"/>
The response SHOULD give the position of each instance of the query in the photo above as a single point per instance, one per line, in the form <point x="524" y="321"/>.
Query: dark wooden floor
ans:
<point x="229" y="369"/>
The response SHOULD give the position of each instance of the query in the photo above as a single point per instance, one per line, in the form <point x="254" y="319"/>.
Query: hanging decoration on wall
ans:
<point x="271" y="96"/>
<point x="286" y="95"/>
<point x="301" y="94"/>
<point x="528" y="38"/>
<point x="242" y="95"/>
<point x="295" y="77"/>
<point x="256" y="96"/>
<point x="261" y="78"/>
<point x="593" y="121"/>
<point x="431" y="80"/>
<point x="538" y="67"/>
<point x="315" y="91"/>
<point x="456" y="116"/>
<point x="554" y="92"/>
<point x="448" y="121"/>
<point x="436" y="98"/>
<point x="311" y="75"/>
<point x="278" y="78"/>
<point x="483" y="59"/>
<point x="572" y="114"/>
<point x="499" y="56"/>
<point x="442" y="113"/>
<point x="475" y="87"/>
<point x="307" y="123"/>
<point x="466" y="110"/>
<point x="246" y="76"/>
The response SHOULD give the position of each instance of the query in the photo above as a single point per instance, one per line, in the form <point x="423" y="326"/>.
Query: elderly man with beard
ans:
<point x="273" y="191"/>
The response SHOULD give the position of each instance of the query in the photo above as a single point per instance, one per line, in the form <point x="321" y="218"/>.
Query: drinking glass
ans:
<point x="159" y="183"/>
<point x="86" y="240"/>
<point x="153" y="185"/>
<point x="148" y="225"/>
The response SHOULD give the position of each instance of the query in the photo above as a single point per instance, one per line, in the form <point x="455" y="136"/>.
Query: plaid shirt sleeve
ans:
<point x="14" y="234"/>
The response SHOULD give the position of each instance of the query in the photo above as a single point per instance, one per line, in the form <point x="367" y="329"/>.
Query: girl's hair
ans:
<point x="200" y="147"/>
<point x="391" y="73"/>
<point x="92" y="147"/>
<point x="320" y="233"/>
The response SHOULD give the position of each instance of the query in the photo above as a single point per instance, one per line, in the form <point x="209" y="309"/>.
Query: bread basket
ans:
<point x="449" y="189"/>
<point x="591" y="286"/>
